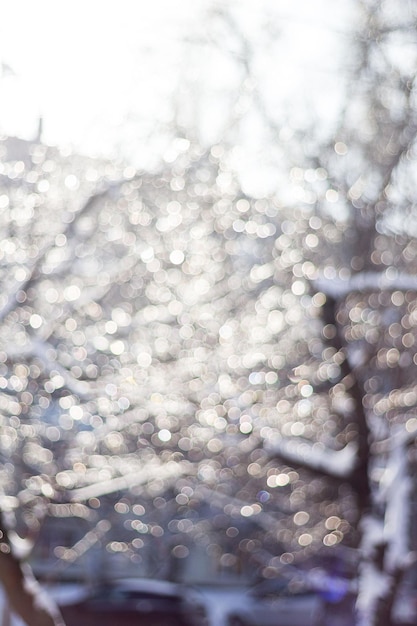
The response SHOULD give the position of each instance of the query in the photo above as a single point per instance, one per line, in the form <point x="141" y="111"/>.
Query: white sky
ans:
<point x="78" y="62"/>
<point x="85" y="65"/>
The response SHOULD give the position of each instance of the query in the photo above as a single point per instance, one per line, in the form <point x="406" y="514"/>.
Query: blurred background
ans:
<point x="121" y="82"/>
<point x="208" y="314"/>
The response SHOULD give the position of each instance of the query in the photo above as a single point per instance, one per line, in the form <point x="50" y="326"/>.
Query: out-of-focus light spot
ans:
<point x="261" y="272"/>
<point x="297" y="174"/>
<point x="66" y="402"/>
<point x="144" y="359"/>
<point x="271" y="378"/>
<point x="340" y="148"/>
<point x="120" y="317"/>
<point x="397" y="298"/>
<point x="111" y="389"/>
<point x="175" y="307"/>
<point x="114" y="440"/>
<point x="117" y="546"/>
<point x="319" y="299"/>
<point x="72" y="293"/>
<point x="411" y="425"/>
<point x="286" y="558"/>
<point x="76" y="412"/>
<point x="111" y="327"/>
<point x="301" y="518"/>
<point x="101" y="343"/>
<point x="35" y="321"/>
<point x="220" y="423"/>
<point x="177" y="257"/>
<point x="57" y="381"/>
<point x="298" y="287"/>
<point x="60" y="240"/>
<point x="278" y="480"/>
<point x="264" y="496"/>
<point x="243" y="205"/>
<point x="246" y="511"/>
<point x="117" y="347"/>
<point x="51" y="295"/>
<point x="157" y="531"/>
<point x="276" y="321"/>
<point x="202" y="286"/>
<point x="332" y="195"/>
<point x="305" y="539"/>
<point x="254" y="469"/>
<point x="180" y="552"/>
<point x="164" y="435"/>
<point x="226" y="331"/>
<point x="140" y="527"/>
<point x="257" y="378"/>
<point x="124" y="403"/>
<point x="71" y="182"/>
<point x="297" y="429"/>
<point x="306" y="390"/>
<point x="246" y="428"/>
<point x="21" y="274"/>
<point x="64" y="479"/>
<point x="312" y="241"/>
<point x="238" y="226"/>
<point x="215" y="445"/>
<point x="408" y="340"/>
<point x="66" y="554"/>
<point x="47" y="490"/>
<point x="332" y="522"/>
<point x="147" y="255"/>
<point x="121" y="507"/>
<point x="70" y="324"/>
<point x="43" y="186"/>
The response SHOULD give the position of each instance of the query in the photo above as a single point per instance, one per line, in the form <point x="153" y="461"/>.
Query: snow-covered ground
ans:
<point x="219" y="602"/>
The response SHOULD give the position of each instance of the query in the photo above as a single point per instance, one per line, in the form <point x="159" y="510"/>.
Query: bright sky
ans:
<point x="87" y="65"/>
<point x="84" y="63"/>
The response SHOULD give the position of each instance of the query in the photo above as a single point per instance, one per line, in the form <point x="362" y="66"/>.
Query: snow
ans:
<point x="66" y="593"/>
<point x="155" y="469"/>
<point x="338" y="463"/>
<point x="39" y="349"/>
<point x="366" y="281"/>
<point x="397" y="512"/>
<point x="219" y="601"/>
<point x="374" y="585"/>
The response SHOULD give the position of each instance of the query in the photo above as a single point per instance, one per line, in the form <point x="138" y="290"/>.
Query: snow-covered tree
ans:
<point x="240" y="369"/>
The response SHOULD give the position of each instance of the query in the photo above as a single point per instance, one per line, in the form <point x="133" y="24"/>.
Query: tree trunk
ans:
<point x="23" y="593"/>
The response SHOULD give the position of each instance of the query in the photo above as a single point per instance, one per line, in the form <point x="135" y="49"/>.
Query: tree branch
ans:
<point x="339" y="464"/>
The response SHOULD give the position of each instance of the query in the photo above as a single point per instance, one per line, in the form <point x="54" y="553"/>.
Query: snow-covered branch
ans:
<point x="366" y="281"/>
<point x="39" y="349"/>
<point x="155" y="470"/>
<point x="333" y="463"/>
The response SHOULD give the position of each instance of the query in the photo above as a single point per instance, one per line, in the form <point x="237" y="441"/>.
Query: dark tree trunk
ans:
<point x="23" y="592"/>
